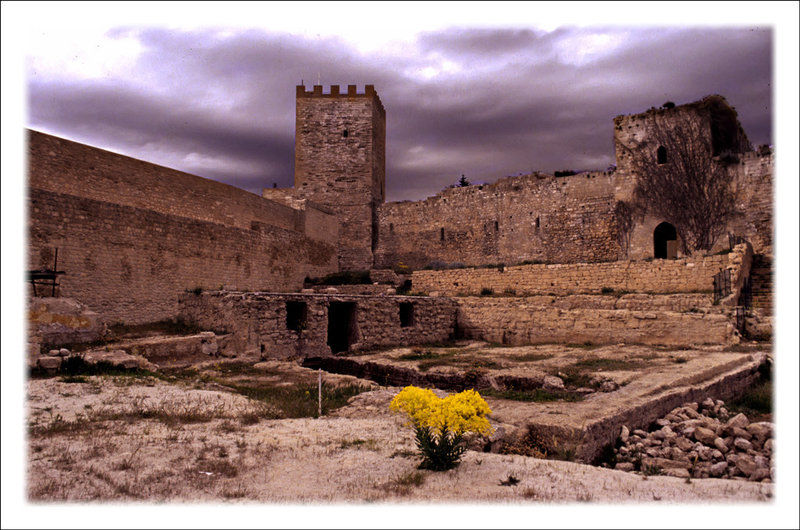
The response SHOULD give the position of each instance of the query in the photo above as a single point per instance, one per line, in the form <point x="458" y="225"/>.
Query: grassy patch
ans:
<point x="403" y="484"/>
<point x="300" y="401"/>
<point x="575" y="377"/>
<point x="583" y="346"/>
<point x="744" y="348"/>
<point x="532" y="357"/>
<point x="358" y="443"/>
<point x="605" y="364"/>
<point x="538" y="395"/>
<point x="457" y="359"/>
<point x="417" y="354"/>
<point x="757" y="400"/>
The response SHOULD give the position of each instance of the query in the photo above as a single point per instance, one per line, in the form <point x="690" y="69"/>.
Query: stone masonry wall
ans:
<point x="258" y="321"/>
<point x="533" y="217"/>
<point x="518" y="321"/>
<point x="130" y="264"/>
<point x="656" y="276"/>
<point x="340" y="163"/>
<point x="63" y="166"/>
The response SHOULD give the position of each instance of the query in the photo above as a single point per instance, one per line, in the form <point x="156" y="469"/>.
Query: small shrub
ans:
<point x="487" y="291"/>
<point x="440" y="424"/>
<point x="607" y="290"/>
<point x="196" y="291"/>
<point x="511" y="480"/>
<point x="651" y="469"/>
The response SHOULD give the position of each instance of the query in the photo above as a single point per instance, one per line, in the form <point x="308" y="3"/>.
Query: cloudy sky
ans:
<point x="483" y="98"/>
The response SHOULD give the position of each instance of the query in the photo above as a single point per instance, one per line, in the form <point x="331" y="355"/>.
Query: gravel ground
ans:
<point x="133" y="440"/>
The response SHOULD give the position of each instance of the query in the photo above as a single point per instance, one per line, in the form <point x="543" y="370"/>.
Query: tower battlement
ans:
<point x="335" y="92"/>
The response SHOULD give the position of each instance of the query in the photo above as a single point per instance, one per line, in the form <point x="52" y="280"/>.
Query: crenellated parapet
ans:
<point x="335" y="92"/>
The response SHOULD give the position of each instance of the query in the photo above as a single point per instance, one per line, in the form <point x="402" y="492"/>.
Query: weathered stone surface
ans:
<point x="720" y="445"/>
<point x="64" y="320"/>
<point x="552" y="382"/>
<point x="678" y="472"/>
<point x="683" y="444"/>
<point x="624" y="466"/>
<point x="624" y="434"/>
<point x="740" y="420"/>
<point x="742" y="445"/>
<point x="760" y="473"/>
<point x="49" y="363"/>
<point x="746" y="464"/>
<point x="705" y="436"/>
<point x="761" y="430"/>
<point x="718" y="469"/>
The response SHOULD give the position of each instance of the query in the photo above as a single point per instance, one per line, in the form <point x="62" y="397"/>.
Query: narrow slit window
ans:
<point x="441" y="234"/>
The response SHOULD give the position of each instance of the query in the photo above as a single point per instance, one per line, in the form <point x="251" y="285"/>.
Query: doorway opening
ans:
<point x="342" y="330"/>
<point x="665" y="242"/>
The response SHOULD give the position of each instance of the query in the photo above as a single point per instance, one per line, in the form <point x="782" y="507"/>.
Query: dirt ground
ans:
<point x="150" y="440"/>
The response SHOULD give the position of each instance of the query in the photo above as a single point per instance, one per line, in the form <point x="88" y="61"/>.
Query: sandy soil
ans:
<point x="147" y="440"/>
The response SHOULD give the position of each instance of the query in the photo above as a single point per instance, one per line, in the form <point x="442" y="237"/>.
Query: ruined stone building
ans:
<point x="136" y="239"/>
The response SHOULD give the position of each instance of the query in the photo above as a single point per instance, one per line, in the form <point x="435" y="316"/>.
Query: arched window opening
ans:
<point x="665" y="242"/>
<point x="661" y="155"/>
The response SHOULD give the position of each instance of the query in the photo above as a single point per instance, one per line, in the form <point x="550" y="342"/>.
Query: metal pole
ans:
<point x="319" y="394"/>
<point x="55" y="268"/>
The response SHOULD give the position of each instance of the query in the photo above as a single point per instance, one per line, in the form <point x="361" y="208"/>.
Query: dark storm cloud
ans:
<point x="480" y="102"/>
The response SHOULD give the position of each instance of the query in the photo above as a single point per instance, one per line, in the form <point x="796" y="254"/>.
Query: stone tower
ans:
<point x="340" y="163"/>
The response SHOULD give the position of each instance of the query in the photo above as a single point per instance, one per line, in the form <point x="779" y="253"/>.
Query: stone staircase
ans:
<point x="761" y="283"/>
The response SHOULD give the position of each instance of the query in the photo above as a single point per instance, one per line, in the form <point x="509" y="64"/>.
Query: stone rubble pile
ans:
<point x="700" y="441"/>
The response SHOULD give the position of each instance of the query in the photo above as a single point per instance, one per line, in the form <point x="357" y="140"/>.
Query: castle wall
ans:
<point x="756" y="200"/>
<point x="340" y="163"/>
<point x="63" y="166"/>
<point x="533" y="217"/>
<point x="258" y="321"/>
<point x="130" y="264"/>
<point x="657" y="276"/>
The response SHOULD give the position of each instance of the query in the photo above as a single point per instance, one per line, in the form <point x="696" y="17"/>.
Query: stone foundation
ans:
<point x="287" y="325"/>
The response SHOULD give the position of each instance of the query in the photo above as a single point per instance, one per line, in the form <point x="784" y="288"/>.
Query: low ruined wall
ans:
<point x="130" y="264"/>
<point x="518" y="321"/>
<point x="684" y="302"/>
<point x="657" y="276"/>
<point x="258" y="322"/>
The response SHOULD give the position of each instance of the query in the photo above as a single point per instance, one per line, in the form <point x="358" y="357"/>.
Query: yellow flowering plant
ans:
<point x="440" y="424"/>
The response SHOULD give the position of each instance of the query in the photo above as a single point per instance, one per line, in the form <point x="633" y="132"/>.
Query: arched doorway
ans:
<point x="665" y="242"/>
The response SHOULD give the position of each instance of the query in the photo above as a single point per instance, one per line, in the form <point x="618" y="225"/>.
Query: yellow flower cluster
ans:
<point x="457" y="413"/>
